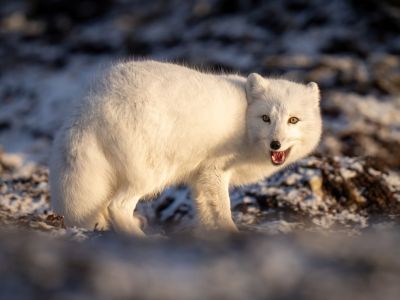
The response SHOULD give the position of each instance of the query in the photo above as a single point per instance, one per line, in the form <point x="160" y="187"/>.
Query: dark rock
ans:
<point x="386" y="73"/>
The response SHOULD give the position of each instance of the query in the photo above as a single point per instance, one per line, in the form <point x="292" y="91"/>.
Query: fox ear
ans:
<point x="314" y="88"/>
<point x="255" y="85"/>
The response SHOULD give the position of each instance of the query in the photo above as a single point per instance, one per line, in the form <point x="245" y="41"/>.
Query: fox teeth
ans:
<point x="279" y="157"/>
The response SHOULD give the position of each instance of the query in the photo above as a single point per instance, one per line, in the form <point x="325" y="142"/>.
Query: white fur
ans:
<point x="147" y="125"/>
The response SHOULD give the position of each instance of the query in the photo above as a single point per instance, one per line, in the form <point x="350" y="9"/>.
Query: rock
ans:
<point x="334" y="190"/>
<point x="362" y="126"/>
<point x="386" y="73"/>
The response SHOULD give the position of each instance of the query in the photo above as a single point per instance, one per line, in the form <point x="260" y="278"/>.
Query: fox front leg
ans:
<point x="211" y="196"/>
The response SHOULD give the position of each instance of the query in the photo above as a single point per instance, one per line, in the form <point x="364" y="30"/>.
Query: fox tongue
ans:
<point x="278" y="157"/>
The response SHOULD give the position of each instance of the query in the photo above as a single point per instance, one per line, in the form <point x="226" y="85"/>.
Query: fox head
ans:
<point x="283" y="118"/>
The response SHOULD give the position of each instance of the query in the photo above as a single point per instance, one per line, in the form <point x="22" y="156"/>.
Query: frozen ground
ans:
<point x="327" y="227"/>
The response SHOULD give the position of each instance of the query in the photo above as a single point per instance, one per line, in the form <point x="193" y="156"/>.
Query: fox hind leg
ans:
<point x="121" y="213"/>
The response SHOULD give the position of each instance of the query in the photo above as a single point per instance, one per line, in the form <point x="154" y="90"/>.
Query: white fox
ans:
<point x="147" y="125"/>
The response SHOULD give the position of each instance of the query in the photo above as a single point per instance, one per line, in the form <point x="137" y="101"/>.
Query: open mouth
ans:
<point x="279" y="157"/>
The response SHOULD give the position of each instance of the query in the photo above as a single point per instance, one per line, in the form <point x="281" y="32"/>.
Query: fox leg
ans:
<point x="120" y="211"/>
<point x="212" y="202"/>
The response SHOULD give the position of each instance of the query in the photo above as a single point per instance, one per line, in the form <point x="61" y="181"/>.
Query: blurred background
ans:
<point x="326" y="228"/>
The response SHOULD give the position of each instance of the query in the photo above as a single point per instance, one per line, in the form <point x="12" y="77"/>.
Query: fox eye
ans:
<point x="266" y="119"/>
<point x="293" y="120"/>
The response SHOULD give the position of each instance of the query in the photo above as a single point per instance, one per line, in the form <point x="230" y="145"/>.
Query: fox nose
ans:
<point x="275" y="145"/>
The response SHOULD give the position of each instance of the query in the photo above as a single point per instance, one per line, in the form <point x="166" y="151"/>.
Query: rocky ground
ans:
<point x="325" y="227"/>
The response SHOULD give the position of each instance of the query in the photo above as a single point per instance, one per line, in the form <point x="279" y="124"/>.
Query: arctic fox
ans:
<point x="147" y="125"/>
